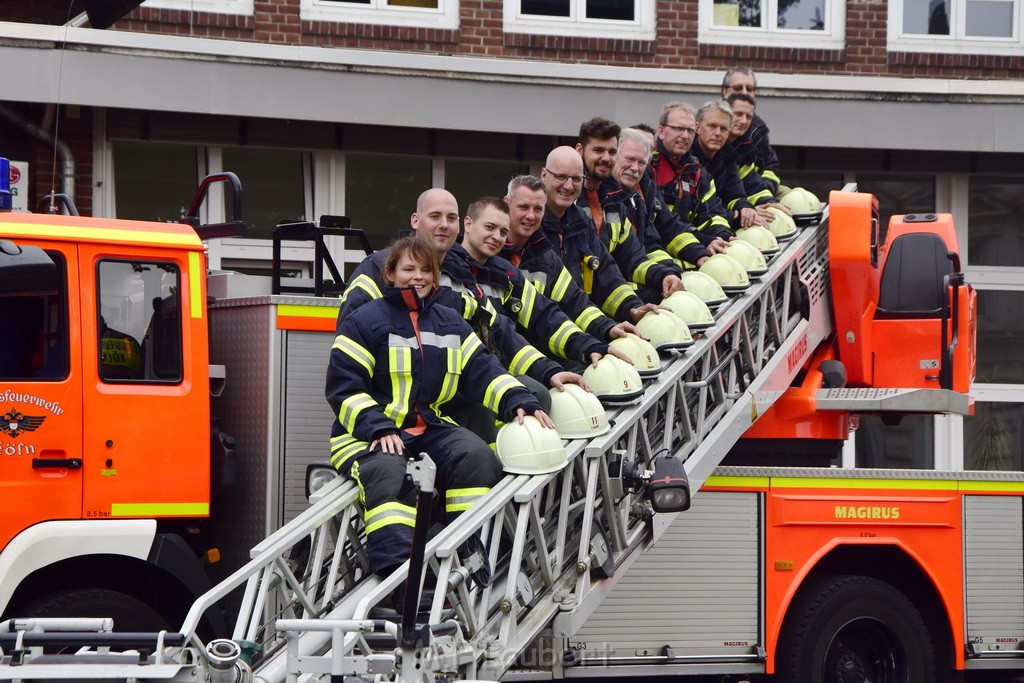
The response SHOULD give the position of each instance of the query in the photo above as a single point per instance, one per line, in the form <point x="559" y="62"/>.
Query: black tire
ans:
<point x="854" y="629"/>
<point x="129" y="614"/>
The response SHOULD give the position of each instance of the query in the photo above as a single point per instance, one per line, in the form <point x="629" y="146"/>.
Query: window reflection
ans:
<point x="992" y="437"/>
<point x="994" y="209"/>
<point x="1000" y="329"/>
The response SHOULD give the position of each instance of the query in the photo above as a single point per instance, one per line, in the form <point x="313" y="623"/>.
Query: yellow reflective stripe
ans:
<point x="367" y="284"/>
<point x="562" y="283"/>
<point x="298" y="311"/>
<point x="352" y="407"/>
<point x="908" y="484"/>
<point x="745" y="170"/>
<point x="640" y="272"/>
<point x="344" y="447"/>
<point x="470" y="345"/>
<point x="680" y="241"/>
<point x="355" y="351"/>
<point x="661" y="256"/>
<point x="132" y="232"/>
<point x="737" y="482"/>
<point x="560" y="339"/>
<point x="388" y="514"/>
<point x="524" y="359"/>
<point x="159" y="509"/>
<point x="400" y="362"/>
<point x="770" y="175"/>
<point x="588" y="317"/>
<point x="757" y="196"/>
<point x="616" y="299"/>
<point x="460" y="500"/>
<point x="710" y="193"/>
<point x="994" y="486"/>
<point x="529" y="301"/>
<point x="497" y="389"/>
<point x="450" y="383"/>
<point x="195" y="284"/>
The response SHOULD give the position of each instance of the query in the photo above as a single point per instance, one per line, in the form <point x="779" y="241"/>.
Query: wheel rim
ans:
<point x="864" y="651"/>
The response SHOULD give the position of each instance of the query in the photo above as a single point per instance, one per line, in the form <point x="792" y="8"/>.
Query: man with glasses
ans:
<point x="601" y="201"/>
<point x="574" y="238"/>
<point x="741" y="79"/>
<point x="755" y="186"/>
<point x="684" y="184"/>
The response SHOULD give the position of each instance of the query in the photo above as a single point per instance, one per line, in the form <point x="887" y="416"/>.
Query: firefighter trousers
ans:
<point x="466" y="470"/>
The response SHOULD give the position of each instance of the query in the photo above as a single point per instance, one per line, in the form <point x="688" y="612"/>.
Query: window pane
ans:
<point x="547" y="8"/>
<point x="738" y="13"/>
<point x="1000" y="330"/>
<point x="897" y="195"/>
<point x="430" y="4"/>
<point x="926" y="17"/>
<point x="992" y="437"/>
<point x="909" y="444"/>
<point x="33" y="328"/>
<point x="471" y="180"/>
<point x="139" y="321"/>
<point x="620" y="10"/>
<point x="381" y="192"/>
<point x="808" y="15"/>
<point x="154" y="181"/>
<point x="994" y="237"/>
<point x="272" y="187"/>
<point x="989" y="19"/>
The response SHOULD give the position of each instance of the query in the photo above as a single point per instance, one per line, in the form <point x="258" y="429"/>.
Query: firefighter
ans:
<point x="395" y="362"/>
<point x="741" y="79"/>
<point x="744" y="109"/>
<point x="120" y="354"/>
<point x="601" y="199"/>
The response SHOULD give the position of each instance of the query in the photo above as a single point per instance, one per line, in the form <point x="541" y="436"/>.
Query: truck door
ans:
<point x="146" y="406"/>
<point x="40" y="395"/>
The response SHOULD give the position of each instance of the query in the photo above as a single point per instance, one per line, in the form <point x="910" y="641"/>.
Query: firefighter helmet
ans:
<point x="614" y="381"/>
<point x="665" y="330"/>
<point x="760" y="236"/>
<point x="749" y="256"/>
<point x="783" y="227"/>
<point x="798" y="200"/>
<point x="704" y="286"/>
<point x="690" y="308"/>
<point x="577" y="413"/>
<point x="727" y="272"/>
<point x="530" y="448"/>
<point x="641" y="352"/>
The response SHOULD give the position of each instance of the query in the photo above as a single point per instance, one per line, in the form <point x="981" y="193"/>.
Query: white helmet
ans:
<point x="783" y="227"/>
<point x="614" y="381"/>
<point x="704" y="286"/>
<point x="577" y="414"/>
<point x="665" y="330"/>
<point x="749" y="256"/>
<point x="690" y="309"/>
<point x="801" y="201"/>
<point x="760" y="236"/>
<point x="727" y="272"/>
<point x="641" y="352"/>
<point x="530" y="448"/>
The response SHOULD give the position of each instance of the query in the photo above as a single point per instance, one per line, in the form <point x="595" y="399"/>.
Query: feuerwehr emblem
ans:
<point x="15" y="423"/>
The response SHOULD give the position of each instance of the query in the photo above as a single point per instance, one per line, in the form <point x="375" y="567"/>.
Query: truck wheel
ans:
<point x="128" y="613"/>
<point x="854" y="629"/>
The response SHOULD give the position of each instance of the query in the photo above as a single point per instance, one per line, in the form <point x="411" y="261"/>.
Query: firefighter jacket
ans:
<point x="539" y="264"/>
<point x="604" y="206"/>
<point x="398" y="359"/>
<point x="688" y="190"/>
<point x="646" y="207"/>
<point x="574" y="238"/>
<point x="539" y="319"/>
<point x="724" y="170"/>
<point x="761" y="155"/>
<point x="754" y="184"/>
<point x="497" y="332"/>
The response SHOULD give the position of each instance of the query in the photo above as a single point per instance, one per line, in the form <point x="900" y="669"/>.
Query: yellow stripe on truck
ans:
<point x="90" y="234"/>
<point x="159" y="509"/>
<point x="195" y="284"/>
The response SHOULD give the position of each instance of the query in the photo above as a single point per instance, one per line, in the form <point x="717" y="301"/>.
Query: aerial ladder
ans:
<point x="557" y="543"/>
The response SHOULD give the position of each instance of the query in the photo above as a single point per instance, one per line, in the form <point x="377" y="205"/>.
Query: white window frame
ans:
<point x="445" y="16"/>
<point x="576" y="25"/>
<point x="239" y="7"/>
<point x="957" y="42"/>
<point x="833" y="37"/>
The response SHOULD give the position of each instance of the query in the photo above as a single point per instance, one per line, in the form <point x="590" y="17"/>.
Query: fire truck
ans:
<point x="156" y="414"/>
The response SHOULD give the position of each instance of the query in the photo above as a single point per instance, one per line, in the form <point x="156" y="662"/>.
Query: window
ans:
<point x="982" y="26"/>
<point x="442" y="14"/>
<point x="786" y="23"/>
<point x="471" y="180"/>
<point x="154" y="181"/>
<point x="381" y="192"/>
<point x="243" y="7"/>
<point x="994" y="206"/>
<point x="139" y="324"/>
<point x="625" y="19"/>
<point x="910" y="444"/>
<point x="898" y="195"/>
<point x="992" y="437"/>
<point x="273" y="187"/>
<point x="34" y="327"/>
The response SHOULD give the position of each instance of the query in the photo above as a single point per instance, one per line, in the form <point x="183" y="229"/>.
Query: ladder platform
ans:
<point x="862" y="400"/>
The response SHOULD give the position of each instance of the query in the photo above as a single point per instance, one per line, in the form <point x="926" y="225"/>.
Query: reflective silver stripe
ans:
<point x="536" y="277"/>
<point x="441" y="341"/>
<point x="492" y="290"/>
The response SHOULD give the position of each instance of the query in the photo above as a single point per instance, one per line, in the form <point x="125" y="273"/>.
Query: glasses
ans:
<point x="561" y="178"/>
<point x="682" y="129"/>
<point x="742" y="88"/>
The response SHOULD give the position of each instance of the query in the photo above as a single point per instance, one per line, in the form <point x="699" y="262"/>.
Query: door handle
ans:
<point x="69" y="463"/>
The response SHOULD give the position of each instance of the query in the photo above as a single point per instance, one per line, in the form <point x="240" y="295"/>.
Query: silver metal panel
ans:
<point x="994" y="559"/>
<point x="867" y="473"/>
<point x="696" y="591"/>
<point x="307" y="417"/>
<point x="912" y="400"/>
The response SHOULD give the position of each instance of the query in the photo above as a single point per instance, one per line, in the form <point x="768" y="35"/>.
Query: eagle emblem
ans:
<point x="15" y="423"/>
